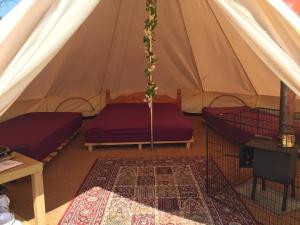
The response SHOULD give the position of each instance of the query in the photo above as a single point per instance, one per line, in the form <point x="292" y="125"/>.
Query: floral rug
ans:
<point x="161" y="191"/>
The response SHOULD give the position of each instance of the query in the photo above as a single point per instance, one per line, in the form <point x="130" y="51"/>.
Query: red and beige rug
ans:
<point x="161" y="191"/>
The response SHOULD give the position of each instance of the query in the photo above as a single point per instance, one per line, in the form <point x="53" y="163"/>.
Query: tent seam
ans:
<point x="190" y="44"/>
<point x="234" y="52"/>
<point x="110" y="48"/>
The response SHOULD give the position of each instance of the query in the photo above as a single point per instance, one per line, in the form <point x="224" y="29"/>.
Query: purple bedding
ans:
<point x="222" y="119"/>
<point x="242" y="123"/>
<point x="38" y="134"/>
<point x="130" y="122"/>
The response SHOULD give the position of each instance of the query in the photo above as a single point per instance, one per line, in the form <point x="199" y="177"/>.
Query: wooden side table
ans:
<point x="33" y="168"/>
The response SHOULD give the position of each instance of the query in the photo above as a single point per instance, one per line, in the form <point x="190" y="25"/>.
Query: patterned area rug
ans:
<point x="161" y="191"/>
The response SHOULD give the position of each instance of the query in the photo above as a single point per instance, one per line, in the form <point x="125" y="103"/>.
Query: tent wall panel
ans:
<point x="87" y="55"/>
<point x="265" y="46"/>
<point x="211" y="48"/>
<point x="199" y="49"/>
<point x="22" y="107"/>
<point x="19" y="23"/>
<point x="258" y="73"/>
<point x="60" y="22"/>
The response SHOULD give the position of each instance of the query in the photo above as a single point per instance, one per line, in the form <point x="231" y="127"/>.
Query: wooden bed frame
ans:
<point x="139" y="97"/>
<point x="51" y="156"/>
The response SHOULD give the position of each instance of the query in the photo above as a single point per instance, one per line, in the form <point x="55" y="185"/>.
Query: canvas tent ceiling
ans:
<point x="200" y="47"/>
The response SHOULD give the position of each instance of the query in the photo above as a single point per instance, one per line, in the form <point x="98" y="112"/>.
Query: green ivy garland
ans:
<point x="150" y="25"/>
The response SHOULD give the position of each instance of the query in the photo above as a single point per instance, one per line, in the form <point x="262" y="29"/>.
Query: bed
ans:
<point x="126" y="121"/>
<point x="38" y="134"/>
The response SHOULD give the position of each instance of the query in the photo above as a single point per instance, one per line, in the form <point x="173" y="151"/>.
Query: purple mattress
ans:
<point x="242" y="123"/>
<point x="38" y="134"/>
<point x="130" y="122"/>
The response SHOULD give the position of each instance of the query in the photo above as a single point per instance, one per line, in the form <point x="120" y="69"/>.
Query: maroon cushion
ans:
<point x="242" y="123"/>
<point x="130" y="122"/>
<point x="225" y="124"/>
<point x="38" y="134"/>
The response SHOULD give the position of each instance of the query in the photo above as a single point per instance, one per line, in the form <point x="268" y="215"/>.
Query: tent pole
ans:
<point x="151" y="121"/>
<point x="287" y="109"/>
<point x="150" y="24"/>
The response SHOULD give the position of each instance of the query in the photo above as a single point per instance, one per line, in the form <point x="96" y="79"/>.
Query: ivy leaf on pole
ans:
<point x="150" y="24"/>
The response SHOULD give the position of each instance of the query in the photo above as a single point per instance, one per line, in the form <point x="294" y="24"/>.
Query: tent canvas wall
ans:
<point x="74" y="49"/>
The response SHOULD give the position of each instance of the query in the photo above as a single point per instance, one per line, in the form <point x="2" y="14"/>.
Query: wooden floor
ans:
<point x="65" y="173"/>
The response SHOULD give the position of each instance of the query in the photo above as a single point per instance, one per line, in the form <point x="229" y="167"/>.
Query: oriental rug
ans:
<point x="148" y="191"/>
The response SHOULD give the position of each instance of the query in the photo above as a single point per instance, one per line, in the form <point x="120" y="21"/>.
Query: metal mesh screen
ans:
<point x="229" y="148"/>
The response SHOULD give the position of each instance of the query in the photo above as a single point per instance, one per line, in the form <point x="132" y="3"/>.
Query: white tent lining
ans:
<point x="111" y="46"/>
<point x="229" y="43"/>
<point x="190" y="44"/>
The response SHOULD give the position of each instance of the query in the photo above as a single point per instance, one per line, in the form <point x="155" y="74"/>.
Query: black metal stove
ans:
<point x="274" y="163"/>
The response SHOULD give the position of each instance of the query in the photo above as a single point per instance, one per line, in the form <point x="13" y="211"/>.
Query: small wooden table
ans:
<point x="35" y="170"/>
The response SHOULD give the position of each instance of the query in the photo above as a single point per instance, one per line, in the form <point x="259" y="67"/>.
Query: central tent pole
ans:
<point x="151" y="102"/>
<point x="150" y="24"/>
<point x="151" y="121"/>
